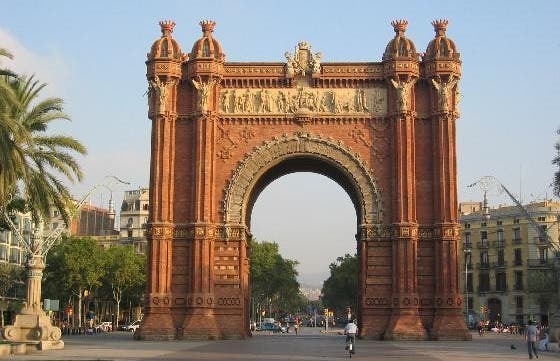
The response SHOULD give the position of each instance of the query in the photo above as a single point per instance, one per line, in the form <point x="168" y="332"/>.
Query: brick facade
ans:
<point x="221" y="132"/>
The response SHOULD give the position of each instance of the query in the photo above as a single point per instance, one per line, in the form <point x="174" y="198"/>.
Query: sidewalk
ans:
<point x="309" y="345"/>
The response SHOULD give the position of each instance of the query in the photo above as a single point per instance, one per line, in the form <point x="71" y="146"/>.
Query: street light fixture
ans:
<point x="32" y="326"/>
<point x="467" y="251"/>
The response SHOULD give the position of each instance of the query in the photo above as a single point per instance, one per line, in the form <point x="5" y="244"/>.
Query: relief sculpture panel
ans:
<point x="359" y="101"/>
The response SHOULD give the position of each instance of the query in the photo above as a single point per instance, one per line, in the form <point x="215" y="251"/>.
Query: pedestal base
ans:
<point x="405" y="326"/>
<point x="156" y="327"/>
<point x="32" y="331"/>
<point x="450" y="326"/>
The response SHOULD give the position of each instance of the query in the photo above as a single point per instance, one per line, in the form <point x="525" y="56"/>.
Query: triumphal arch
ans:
<point x="222" y="131"/>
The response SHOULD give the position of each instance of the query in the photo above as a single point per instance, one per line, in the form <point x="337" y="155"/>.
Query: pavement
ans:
<point x="309" y="345"/>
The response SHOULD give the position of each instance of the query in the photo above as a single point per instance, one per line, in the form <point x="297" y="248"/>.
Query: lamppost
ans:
<point x="32" y="326"/>
<point x="467" y="252"/>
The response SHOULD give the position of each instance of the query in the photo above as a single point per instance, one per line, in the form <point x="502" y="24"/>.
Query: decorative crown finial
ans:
<point x="399" y="26"/>
<point x="440" y="26"/>
<point x="207" y="26"/>
<point x="167" y="26"/>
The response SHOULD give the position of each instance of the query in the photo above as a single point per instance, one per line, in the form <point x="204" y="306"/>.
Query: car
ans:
<point x="105" y="326"/>
<point x="270" y="327"/>
<point x="132" y="327"/>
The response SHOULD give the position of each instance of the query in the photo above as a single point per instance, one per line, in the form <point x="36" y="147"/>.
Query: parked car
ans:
<point x="132" y="327"/>
<point x="270" y="327"/>
<point x="105" y="326"/>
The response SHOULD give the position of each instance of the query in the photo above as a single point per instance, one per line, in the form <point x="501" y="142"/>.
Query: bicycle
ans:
<point x="350" y="345"/>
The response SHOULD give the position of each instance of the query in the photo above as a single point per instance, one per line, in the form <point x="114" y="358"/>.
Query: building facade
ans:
<point x="508" y="263"/>
<point x="135" y="211"/>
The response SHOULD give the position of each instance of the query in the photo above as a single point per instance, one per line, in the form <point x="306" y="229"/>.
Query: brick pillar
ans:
<point x="448" y="322"/>
<point x="405" y="322"/>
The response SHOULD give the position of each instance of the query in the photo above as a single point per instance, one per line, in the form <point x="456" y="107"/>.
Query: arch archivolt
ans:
<point x="277" y="149"/>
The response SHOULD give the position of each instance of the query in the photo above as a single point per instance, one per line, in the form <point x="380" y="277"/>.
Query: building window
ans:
<point x="469" y="282"/>
<point x="543" y="255"/>
<point x="484" y="258"/>
<point x="501" y="281"/>
<point x="498" y="223"/>
<point x="516" y="234"/>
<point x="145" y="206"/>
<point x="500" y="235"/>
<point x="518" y="281"/>
<point x="483" y="224"/>
<point x="467" y="225"/>
<point x="542" y="219"/>
<point x="518" y="301"/>
<point x="470" y="303"/>
<point x="55" y="213"/>
<point x="129" y="233"/>
<point x="516" y="221"/>
<point x="483" y="282"/>
<point x="14" y="255"/>
<point x="3" y="253"/>
<point x="518" y="261"/>
<point x="467" y="237"/>
<point x="468" y="260"/>
<point x="501" y="260"/>
<point x="484" y="237"/>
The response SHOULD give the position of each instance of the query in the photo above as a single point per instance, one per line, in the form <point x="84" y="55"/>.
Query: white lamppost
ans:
<point x="32" y="325"/>
<point x="467" y="252"/>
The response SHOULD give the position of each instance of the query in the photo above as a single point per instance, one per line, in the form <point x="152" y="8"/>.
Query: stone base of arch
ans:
<point x="449" y="324"/>
<point x="157" y="325"/>
<point x="405" y="324"/>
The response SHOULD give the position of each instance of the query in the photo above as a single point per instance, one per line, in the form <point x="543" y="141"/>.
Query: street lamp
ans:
<point x="32" y="326"/>
<point x="467" y="252"/>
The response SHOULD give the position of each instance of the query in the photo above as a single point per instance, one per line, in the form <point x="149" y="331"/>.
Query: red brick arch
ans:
<point x="222" y="131"/>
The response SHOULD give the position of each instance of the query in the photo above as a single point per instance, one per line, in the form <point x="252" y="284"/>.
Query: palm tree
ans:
<point x="32" y="161"/>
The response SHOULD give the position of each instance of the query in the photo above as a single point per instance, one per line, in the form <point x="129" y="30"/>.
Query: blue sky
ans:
<point x="92" y="54"/>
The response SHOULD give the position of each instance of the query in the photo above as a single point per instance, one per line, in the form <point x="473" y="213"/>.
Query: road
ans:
<point x="309" y="345"/>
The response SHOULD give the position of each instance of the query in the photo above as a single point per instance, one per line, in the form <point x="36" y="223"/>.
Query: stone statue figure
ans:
<point x="160" y="88"/>
<point x="444" y="92"/>
<point x="225" y="101"/>
<point x="317" y="63"/>
<point x="403" y="92"/>
<point x="289" y="64"/>
<point x="204" y="91"/>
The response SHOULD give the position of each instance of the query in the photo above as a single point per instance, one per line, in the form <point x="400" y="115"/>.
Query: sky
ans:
<point x="92" y="53"/>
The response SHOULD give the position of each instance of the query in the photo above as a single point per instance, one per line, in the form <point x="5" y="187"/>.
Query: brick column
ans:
<point x="405" y="322"/>
<point x="448" y="320"/>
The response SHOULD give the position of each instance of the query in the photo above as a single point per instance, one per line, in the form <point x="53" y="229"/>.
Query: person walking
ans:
<point x="531" y="336"/>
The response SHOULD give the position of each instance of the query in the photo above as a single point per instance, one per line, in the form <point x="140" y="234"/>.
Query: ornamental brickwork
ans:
<point x="384" y="131"/>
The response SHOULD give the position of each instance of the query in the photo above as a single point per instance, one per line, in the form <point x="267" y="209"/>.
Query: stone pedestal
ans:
<point x="33" y="327"/>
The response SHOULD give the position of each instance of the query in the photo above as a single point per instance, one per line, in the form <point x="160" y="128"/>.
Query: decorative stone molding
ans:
<point x="279" y="148"/>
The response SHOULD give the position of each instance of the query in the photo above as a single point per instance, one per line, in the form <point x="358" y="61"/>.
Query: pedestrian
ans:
<point x="296" y="325"/>
<point x="531" y="336"/>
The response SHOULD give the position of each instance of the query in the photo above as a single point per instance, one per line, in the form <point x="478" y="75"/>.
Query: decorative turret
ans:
<point x="166" y="47"/>
<point x="442" y="57"/>
<point x="441" y="47"/>
<point x="206" y="67"/>
<point x="207" y="47"/>
<point x="163" y="70"/>
<point x="400" y="66"/>
<point x="400" y="46"/>
<point x="443" y="67"/>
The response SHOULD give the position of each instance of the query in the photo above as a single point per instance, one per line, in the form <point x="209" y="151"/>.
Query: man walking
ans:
<point x="531" y="334"/>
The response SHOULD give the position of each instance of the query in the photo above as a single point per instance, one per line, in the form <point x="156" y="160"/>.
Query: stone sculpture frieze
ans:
<point x="269" y="101"/>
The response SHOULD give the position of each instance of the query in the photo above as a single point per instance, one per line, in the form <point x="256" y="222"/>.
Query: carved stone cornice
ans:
<point x="405" y="231"/>
<point x="216" y="231"/>
<point x="159" y="231"/>
<point x="374" y="232"/>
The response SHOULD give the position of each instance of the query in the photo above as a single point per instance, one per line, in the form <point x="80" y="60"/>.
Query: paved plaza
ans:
<point x="310" y="344"/>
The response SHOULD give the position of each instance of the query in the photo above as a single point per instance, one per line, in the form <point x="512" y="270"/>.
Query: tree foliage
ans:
<point x="274" y="278"/>
<point x="125" y="273"/>
<point x="31" y="160"/>
<point x="340" y="290"/>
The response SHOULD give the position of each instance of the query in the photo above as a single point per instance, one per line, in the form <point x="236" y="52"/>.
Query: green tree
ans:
<point x="32" y="161"/>
<point x="11" y="277"/>
<point x="75" y="267"/>
<point x="340" y="290"/>
<point x="273" y="278"/>
<point x="125" y="273"/>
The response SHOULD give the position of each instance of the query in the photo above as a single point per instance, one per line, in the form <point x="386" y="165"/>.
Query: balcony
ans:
<point x="467" y="245"/>
<point x="540" y="263"/>
<point x="518" y="287"/>
<point x="499" y="243"/>
<point x="482" y="244"/>
<point x="499" y="264"/>
<point x="516" y="241"/>
<point x="484" y="265"/>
